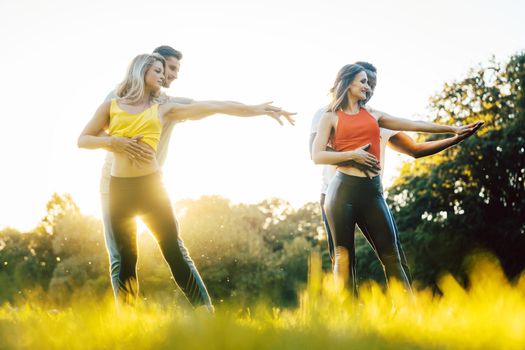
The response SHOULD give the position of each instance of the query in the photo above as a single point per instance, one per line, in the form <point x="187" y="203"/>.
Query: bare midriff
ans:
<point x="352" y="171"/>
<point x="123" y="166"/>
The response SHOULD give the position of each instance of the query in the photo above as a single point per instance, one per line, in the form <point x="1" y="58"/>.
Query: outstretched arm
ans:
<point x="387" y="121"/>
<point x="403" y="143"/>
<point x="202" y="109"/>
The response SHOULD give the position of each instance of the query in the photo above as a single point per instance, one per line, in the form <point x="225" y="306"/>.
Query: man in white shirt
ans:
<point x="397" y="140"/>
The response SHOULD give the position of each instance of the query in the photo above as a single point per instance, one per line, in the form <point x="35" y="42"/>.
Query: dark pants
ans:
<point x="146" y="197"/>
<point x="352" y="200"/>
<point x="331" y="247"/>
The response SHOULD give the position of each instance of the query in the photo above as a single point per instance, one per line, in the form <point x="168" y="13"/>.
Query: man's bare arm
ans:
<point x="403" y="143"/>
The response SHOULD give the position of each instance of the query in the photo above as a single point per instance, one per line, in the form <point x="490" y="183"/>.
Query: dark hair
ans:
<point x="168" y="51"/>
<point x="344" y="78"/>
<point x="367" y="66"/>
<point x="371" y="73"/>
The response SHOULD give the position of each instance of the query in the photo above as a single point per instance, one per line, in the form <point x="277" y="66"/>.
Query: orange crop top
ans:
<point x="356" y="130"/>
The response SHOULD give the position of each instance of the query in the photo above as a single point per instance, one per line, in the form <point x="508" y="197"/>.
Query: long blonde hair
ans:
<point x="339" y="91"/>
<point x="132" y="88"/>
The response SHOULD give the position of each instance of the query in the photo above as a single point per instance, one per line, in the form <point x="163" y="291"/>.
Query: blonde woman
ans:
<point x="135" y="186"/>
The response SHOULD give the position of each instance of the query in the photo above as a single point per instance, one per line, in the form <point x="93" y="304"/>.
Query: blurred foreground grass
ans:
<point x="490" y="314"/>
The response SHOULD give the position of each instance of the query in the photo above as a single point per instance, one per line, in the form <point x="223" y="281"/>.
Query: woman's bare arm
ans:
<point x="202" y="109"/>
<point x="388" y="121"/>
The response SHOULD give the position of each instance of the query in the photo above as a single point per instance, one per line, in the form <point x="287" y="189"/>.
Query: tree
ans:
<point x="472" y="196"/>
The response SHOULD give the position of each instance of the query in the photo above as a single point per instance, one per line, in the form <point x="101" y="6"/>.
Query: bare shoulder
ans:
<point x="373" y="112"/>
<point x="171" y="111"/>
<point x="165" y="106"/>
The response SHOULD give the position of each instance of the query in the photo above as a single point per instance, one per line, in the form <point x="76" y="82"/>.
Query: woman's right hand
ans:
<point x="132" y="147"/>
<point x="362" y="156"/>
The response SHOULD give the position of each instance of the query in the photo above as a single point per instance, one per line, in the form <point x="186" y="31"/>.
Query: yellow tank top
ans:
<point x="146" y="123"/>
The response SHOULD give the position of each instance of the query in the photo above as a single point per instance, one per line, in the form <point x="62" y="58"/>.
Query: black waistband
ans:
<point x="376" y="180"/>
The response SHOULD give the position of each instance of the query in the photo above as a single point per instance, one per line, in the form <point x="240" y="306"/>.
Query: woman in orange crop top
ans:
<point x="135" y="186"/>
<point x="352" y="197"/>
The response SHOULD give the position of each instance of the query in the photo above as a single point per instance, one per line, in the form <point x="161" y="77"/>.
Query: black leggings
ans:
<point x="352" y="200"/>
<point x="146" y="197"/>
<point x="331" y="248"/>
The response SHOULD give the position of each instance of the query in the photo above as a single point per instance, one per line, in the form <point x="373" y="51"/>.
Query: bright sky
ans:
<point x="61" y="58"/>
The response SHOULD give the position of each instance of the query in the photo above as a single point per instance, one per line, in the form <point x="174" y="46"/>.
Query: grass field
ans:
<point x="490" y="314"/>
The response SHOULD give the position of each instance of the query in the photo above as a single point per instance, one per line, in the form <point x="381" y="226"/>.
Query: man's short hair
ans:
<point x="367" y="66"/>
<point x="168" y="51"/>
